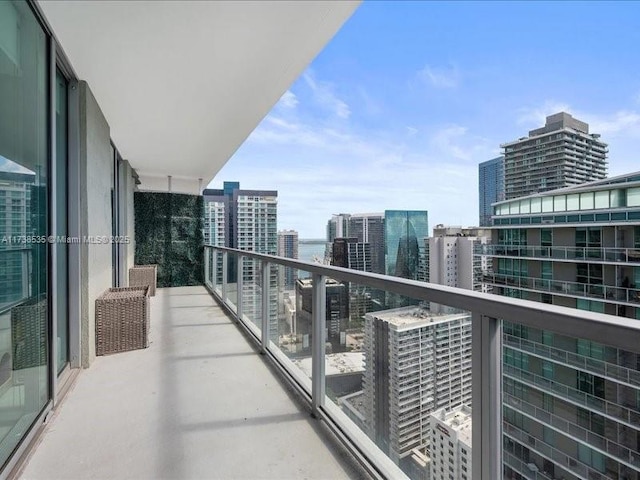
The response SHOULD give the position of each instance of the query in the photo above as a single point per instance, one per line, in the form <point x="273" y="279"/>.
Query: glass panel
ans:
<point x="573" y="202"/>
<point x="547" y="204"/>
<point x="602" y="199"/>
<point x="23" y="223"/>
<point x="514" y="207"/>
<point x="633" y="197"/>
<point x="232" y="284"/>
<point x="61" y="219"/>
<point x="403" y="376"/>
<point x="525" y="206"/>
<point x="217" y="272"/>
<point x="618" y="198"/>
<point x="252" y="292"/>
<point x="536" y="205"/>
<point x="560" y="203"/>
<point x="586" y="201"/>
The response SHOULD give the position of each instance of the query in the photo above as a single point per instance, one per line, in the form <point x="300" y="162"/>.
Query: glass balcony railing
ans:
<point x="561" y="287"/>
<point x="377" y="355"/>
<point x="579" y="254"/>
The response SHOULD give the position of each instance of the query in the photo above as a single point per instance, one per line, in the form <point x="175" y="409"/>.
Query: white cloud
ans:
<point x="323" y="94"/>
<point x="536" y="116"/>
<point x="411" y="131"/>
<point x="371" y="107"/>
<point x="454" y="141"/>
<point x="440" y="77"/>
<point x="623" y="121"/>
<point x="288" y="100"/>
<point x="320" y="170"/>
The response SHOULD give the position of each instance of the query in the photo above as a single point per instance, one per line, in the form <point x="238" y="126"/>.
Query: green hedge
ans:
<point x="169" y="234"/>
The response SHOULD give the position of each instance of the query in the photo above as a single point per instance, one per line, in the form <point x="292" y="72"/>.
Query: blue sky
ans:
<point x="409" y="97"/>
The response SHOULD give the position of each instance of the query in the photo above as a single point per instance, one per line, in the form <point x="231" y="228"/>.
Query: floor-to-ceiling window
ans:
<point x="24" y="152"/>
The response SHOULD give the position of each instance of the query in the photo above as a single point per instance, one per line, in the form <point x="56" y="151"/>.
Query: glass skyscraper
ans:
<point x="404" y="231"/>
<point x="490" y="187"/>
<point x="404" y="234"/>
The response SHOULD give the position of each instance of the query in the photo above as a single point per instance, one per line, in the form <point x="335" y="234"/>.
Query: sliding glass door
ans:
<point x="24" y="218"/>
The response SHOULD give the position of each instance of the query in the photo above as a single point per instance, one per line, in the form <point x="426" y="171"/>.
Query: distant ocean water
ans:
<point x="307" y="249"/>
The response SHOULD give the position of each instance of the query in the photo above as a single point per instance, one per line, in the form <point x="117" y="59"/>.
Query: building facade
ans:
<point x="369" y="228"/>
<point x="356" y="255"/>
<point x="15" y="223"/>
<point x="451" y="258"/>
<point x="288" y="247"/>
<point x="404" y="233"/>
<point x="366" y="227"/>
<point x="416" y="362"/>
<point x="450" y="451"/>
<point x="250" y="223"/>
<point x="337" y="313"/>
<point x="571" y="406"/>
<point x="490" y="187"/>
<point x="560" y="154"/>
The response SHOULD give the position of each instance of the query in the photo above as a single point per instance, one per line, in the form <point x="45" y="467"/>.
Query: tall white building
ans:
<point x="214" y="223"/>
<point x="246" y="220"/>
<point x="451" y="259"/>
<point x="450" y="449"/>
<point x="416" y="362"/>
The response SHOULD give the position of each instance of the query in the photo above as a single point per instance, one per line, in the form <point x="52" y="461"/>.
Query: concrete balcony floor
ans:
<point x="198" y="403"/>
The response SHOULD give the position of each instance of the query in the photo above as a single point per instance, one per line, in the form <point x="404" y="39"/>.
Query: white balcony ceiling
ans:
<point x="183" y="84"/>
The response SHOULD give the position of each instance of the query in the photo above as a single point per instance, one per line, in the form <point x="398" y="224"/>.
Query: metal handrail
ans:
<point x="624" y="333"/>
<point x="486" y="353"/>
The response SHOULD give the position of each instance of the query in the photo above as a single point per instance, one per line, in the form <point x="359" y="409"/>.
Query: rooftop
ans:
<point x="415" y="317"/>
<point x="335" y="363"/>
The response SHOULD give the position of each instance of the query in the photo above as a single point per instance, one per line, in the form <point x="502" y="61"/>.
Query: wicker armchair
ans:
<point x="142" y="275"/>
<point x="122" y="320"/>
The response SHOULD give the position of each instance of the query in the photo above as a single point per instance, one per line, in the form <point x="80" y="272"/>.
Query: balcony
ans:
<point x="198" y="403"/>
<point x="610" y="255"/>
<point x="619" y="295"/>
<point x="488" y="372"/>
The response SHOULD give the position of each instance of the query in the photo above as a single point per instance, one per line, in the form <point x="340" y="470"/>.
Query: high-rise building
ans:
<point x="450" y="449"/>
<point x="288" y="247"/>
<point x="338" y="226"/>
<point x="490" y="187"/>
<point x="250" y="223"/>
<point x="366" y="227"/>
<point x="337" y="312"/>
<point x="560" y="154"/>
<point x="350" y="253"/>
<point x="369" y="228"/>
<point x="15" y="222"/>
<point x="571" y="406"/>
<point x="450" y="258"/>
<point x="416" y="362"/>
<point x="404" y="234"/>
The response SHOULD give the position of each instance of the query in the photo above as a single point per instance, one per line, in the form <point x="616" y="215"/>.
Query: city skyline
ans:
<point x="405" y="122"/>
